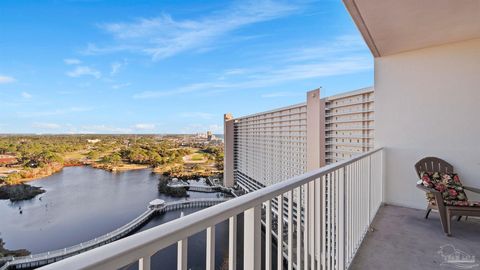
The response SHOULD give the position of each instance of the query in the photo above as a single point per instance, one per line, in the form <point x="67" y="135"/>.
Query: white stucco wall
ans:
<point x="427" y="103"/>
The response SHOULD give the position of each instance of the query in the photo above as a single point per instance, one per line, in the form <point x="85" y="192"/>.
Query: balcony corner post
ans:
<point x="252" y="238"/>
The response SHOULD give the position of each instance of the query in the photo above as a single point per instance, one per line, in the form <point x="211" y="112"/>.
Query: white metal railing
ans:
<point x="337" y="203"/>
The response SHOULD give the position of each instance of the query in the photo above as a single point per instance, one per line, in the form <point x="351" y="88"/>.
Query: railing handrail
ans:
<point x="148" y="242"/>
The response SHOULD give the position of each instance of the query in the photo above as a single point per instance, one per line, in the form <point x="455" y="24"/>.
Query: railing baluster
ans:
<point x="334" y="220"/>
<point x="358" y="186"/>
<point x="338" y="243"/>
<point x="232" y="243"/>
<point x="353" y="203"/>
<point x="348" y="220"/>
<point x="268" y="235"/>
<point x="299" y="228"/>
<point x="324" y="222"/>
<point x="252" y="238"/>
<point x="329" y="222"/>
<point x="290" y="230"/>
<point x="280" y="232"/>
<point x="182" y="254"/>
<point x="362" y="199"/>
<point x="318" y="232"/>
<point x="341" y="206"/>
<point x="210" y="260"/>
<point x="144" y="263"/>
<point x="311" y="223"/>
<point x="369" y="168"/>
<point x="305" y="227"/>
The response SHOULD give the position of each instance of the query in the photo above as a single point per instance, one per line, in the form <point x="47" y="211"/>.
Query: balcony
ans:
<point x="336" y="204"/>
<point x="403" y="239"/>
<point x="343" y="225"/>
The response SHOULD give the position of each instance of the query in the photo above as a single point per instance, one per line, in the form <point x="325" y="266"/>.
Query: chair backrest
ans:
<point x="433" y="164"/>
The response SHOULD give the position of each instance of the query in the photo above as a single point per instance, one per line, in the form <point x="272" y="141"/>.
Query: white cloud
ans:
<point x="274" y="76"/>
<point x="235" y="71"/>
<point x="6" y="79"/>
<point x="201" y="115"/>
<point x="145" y="126"/>
<point x="340" y="56"/>
<point x="78" y="109"/>
<point x="26" y="95"/>
<point x="343" y="45"/>
<point x="198" y="128"/>
<point x="72" y="61"/>
<point x="46" y="125"/>
<point x="63" y="111"/>
<point x="103" y="129"/>
<point x="63" y="92"/>
<point x="164" y="36"/>
<point x="116" y="67"/>
<point x="107" y="129"/>
<point x="182" y="90"/>
<point x="120" y="85"/>
<point x="84" y="71"/>
<point x="281" y="94"/>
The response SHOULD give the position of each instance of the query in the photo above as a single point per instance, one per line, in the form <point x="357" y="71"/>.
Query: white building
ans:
<point x="273" y="146"/>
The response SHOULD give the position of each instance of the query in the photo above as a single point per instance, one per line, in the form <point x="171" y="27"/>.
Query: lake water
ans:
<point x="81" y="203"/>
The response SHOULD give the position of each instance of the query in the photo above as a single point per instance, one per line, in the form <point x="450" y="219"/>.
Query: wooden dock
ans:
<point x="41" y="259"/>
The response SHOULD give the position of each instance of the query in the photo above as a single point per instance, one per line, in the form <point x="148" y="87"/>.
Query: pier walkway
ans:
<point x="199" y="187"/>
<point x="155" y="207"/>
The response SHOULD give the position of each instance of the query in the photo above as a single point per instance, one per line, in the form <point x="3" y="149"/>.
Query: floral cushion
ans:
<point x="462" y="203"/>
<point x="449" y="186"/>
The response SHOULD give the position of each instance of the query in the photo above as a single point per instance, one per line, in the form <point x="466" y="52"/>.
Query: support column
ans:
<point x="182" y="254"/>
<point x="210" y="259"/>
<point x="252" y="248"/>
<point x="315" y="130"/>
<point x="315" y="159"/>
<point x="144" y="263"/>
<point x="232" y="243"/>
<point x="228" y="137"/>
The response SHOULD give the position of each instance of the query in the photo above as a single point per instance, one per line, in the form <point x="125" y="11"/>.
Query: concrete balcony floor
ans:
<point x="403" y="239"/>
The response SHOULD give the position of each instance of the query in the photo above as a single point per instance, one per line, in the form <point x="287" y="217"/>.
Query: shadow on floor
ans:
<point x="403" y="239"/>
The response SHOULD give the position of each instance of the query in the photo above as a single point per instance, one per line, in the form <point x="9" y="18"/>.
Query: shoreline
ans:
<point x="126" y="167"/>
<point x="123" y="168"/>
<point x="23" y="190"/>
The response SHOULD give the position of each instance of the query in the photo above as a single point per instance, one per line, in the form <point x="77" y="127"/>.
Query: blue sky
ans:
<point x="168" y="66"/>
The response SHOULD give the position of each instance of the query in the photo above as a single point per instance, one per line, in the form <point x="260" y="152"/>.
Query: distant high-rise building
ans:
<point x="272" y="146"/>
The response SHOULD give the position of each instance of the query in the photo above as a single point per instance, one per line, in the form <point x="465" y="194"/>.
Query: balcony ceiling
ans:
<point x="393" y="26"/>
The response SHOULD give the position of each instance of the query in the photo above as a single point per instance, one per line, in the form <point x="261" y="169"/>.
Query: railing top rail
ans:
<point x="132" y="248"/>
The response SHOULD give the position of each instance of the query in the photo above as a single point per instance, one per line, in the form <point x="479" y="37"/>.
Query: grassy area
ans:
<point x="40" y="156"/>
<point x="197" y="157"/>
<point x="75" y="155"/>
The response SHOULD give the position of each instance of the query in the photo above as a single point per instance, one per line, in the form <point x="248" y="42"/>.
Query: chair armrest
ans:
<point x="438" y="196"/>
<point x="476" y="190"/>
<point x="427" y="189"/>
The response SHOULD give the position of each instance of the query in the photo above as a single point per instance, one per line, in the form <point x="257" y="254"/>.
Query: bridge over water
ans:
<point x="199" y="187"/>
<point x="155" y="207"/>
